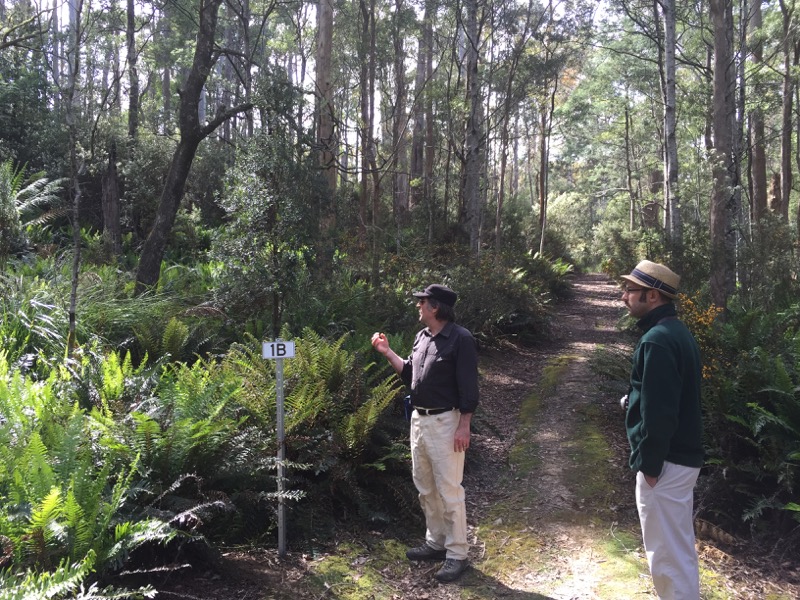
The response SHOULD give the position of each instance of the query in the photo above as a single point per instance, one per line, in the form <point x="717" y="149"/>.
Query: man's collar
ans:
<point x="652" y="318"/>
<point x="444" y="331"/>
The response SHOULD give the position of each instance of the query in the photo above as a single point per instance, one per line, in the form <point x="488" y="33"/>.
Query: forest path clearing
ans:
<point x="550" y="498"/>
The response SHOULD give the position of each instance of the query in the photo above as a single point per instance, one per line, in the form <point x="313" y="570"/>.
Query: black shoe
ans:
<point x="425" y="552"/>
<point x="451" y="570"/>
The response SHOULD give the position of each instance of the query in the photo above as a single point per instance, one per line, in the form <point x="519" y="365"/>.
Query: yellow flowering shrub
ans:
<point x="700" y="320"/>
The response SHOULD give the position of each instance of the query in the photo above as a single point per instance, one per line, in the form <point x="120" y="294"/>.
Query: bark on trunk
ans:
<point x="629" y="172"/>
<point x="671" y="194"/>
<point x="418" y="112"/>
<point x="133" y="72"/>
<point x="759" y="155"/>
<point x="474" y="134"/>
<point x="723" y="200"/>
<point x="325" y="117"/>
<point x="786" y="111"/>
<point x="366" y="125"/>
<point x="112" y="231"/>
<point x="399" y="125"/>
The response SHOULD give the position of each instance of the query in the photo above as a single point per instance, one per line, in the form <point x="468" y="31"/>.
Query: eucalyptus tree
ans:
<point x="723" y="203"/>
<point x="399" y="115"/>
<point x="758" y="163"/>
<point x="660" y="27"/>
<point x="512" y="92"/>
<point x="325" y="115"/>
<point x="791" y="57"/>
<point x="192" y="131"/>
<point x="474" y="131"/>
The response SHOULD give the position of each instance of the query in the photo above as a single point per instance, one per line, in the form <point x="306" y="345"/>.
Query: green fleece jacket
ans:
<point x="663" y="421"/>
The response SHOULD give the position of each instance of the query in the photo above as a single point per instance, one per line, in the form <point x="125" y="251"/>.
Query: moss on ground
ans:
<point x="356" y="572"/>
<point x="512" y="543"/>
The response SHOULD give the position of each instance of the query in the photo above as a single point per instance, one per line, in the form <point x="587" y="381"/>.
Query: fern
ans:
<point x="175" y="337"/>
<point x="358" y="426"/>
<point x="80" y="533"/>
<point x="33" y="477"/>
<point x="66" y="581"/>
<point x="45" y="534"/>
<point x="113" y="377"/>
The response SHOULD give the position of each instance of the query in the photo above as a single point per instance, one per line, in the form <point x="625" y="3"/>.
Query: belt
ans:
<point x="432" y="411"/>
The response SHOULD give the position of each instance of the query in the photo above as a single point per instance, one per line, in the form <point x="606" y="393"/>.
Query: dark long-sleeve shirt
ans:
<point x="664" y="419"/>
<point x="442" y="370"/>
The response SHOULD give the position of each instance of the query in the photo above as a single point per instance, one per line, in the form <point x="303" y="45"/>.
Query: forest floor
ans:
<point x="550" y="498"/>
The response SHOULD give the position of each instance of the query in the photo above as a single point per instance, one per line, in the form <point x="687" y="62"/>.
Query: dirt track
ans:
<point x="550" y="498"/>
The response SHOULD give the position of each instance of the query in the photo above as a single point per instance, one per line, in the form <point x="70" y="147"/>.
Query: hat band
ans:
<point x="654" y="283"/>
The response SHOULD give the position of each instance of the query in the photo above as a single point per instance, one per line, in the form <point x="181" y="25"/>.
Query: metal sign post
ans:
<point x="278" y="350"/>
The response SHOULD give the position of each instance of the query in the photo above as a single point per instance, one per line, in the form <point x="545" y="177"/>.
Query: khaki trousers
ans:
<point x="438" y="471"/>
<point x="666" y="516"/>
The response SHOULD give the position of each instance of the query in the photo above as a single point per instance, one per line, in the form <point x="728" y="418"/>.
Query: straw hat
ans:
<point x="656" y="277"/>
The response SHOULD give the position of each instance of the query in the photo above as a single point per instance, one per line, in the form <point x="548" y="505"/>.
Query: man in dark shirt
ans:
<point x="665" y="429"/>
<point x="442" y="373"/>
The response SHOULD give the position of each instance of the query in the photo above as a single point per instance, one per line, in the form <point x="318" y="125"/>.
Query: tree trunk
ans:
<point x="723" y="200"/>
<point x="325" y="116"/>
<point x="399" y="124"/>
<point x="787" y="127"/>
<point x="365" y="129"/>
<point x="430" y="133"/>
<point x="473" y="138"/>
<point x="72" y="104"/>
<point x="509" y="102"/>
<point x="759" y="155"/>
<point x="658" y="39"/>
<point x="133" y="73"/>
<point x="671" y="194"/>
<point x="192" y="132"/>
<point x="112" y="234"/>
<point x="629" y="171"/>
<point x="544" y="158"/>
<point x="418" y="111"/>
<point x="775" y="197"/>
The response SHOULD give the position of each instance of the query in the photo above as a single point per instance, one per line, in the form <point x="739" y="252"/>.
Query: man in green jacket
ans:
<point x="665" y="431"/>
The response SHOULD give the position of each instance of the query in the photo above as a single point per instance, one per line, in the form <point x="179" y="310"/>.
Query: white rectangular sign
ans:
<point x="277" y="349"/>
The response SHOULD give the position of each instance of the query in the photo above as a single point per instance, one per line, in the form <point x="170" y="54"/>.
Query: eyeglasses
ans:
<point x="629" y="290"/>
<point x="420" y="301"/>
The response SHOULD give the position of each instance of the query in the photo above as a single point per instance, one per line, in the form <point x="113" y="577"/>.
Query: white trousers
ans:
<point x="666" y="515"/>
<point x="438" y="471"/>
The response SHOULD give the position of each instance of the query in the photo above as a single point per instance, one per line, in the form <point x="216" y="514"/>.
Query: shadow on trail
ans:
<point x="481" y="585"/>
